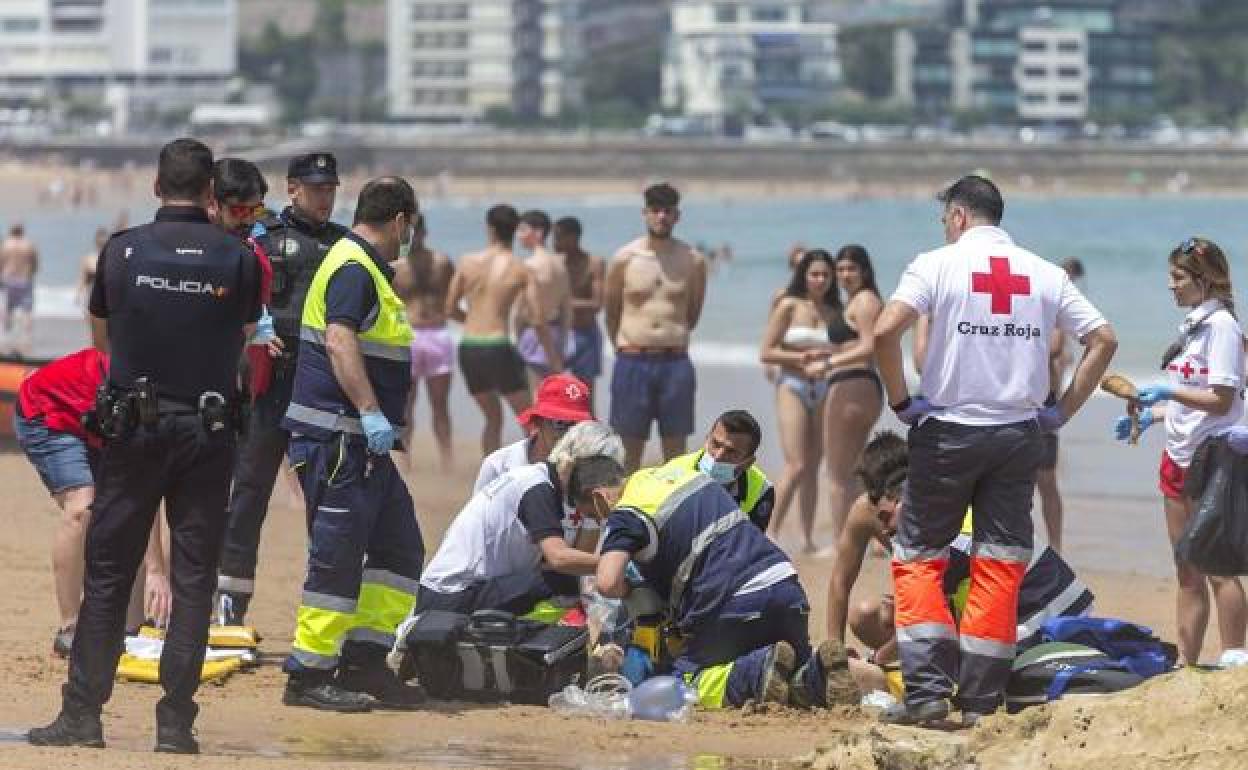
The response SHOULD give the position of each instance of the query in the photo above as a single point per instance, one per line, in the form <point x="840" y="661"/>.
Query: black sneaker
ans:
<point x="382" y="685"/>
<point x="323" y="694"/>
<point x="781" y="661"/>
<point x="231" y="608"/>
<point x="63" y="642"/>
<point x="922" y="715"/>
<point x="175" y="739"/>
<point x="68" y="730"/>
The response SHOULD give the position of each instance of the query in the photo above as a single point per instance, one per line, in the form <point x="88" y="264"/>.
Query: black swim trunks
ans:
<point x="491" y="364"/>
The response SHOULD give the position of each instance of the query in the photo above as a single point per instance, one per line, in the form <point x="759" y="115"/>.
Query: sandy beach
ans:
<point x="243" y="724"/>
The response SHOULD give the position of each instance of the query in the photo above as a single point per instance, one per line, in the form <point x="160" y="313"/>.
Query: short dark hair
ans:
<point x="1073" y="267"/>
<point x="742" y="422"/>
<point x="237" y="179"/>
<point x="979" y="195"/>
<point x="503" y="220"/>
<point x="884" y="466"/>
<point x="569" y="225"/>
<point x="538" y="219"/>
<point x="384" y="198"/>
<point x="661" y="195"/>
<point x="184" y="169"/>
<point x="590" y="473"/>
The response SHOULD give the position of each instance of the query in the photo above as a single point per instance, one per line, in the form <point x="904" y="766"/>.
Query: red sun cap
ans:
<point x="559" y="397"/>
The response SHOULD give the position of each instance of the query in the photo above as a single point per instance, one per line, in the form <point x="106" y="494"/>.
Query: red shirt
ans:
<point x="61" y="392"/>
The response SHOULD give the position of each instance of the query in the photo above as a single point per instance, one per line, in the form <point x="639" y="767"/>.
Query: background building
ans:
<point x="748" y="57"/>
<point x="126" y="60"/>
<point x="1037" y="62"/>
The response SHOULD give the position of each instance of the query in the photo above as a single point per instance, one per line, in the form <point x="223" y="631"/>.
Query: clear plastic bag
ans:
<point x="605" y="697"/>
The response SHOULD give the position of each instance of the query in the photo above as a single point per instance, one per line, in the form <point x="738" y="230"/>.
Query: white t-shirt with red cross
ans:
<point x="1213" y="355"/>
<point x="993" y="306"/>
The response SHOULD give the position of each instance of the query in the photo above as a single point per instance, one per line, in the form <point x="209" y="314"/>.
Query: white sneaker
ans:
<point x="1233" y="658"/>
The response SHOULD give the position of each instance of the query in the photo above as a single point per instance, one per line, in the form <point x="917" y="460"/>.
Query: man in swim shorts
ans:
<point x="654" y="294"/>
<point x="489" y="282"/>
<point x="544" y="342"/>
<point x="585" y="276"/>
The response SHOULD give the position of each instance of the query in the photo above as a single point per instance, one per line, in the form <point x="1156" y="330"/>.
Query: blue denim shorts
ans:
<point x="63" y="460"/>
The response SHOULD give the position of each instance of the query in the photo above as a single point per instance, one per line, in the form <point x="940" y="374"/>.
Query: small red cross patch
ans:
<point x="1001" y="284"/>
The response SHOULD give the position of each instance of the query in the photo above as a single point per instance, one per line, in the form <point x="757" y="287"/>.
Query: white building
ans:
<point x="748" y="56"/>
<point x="455" y="60"/>
<point x="134" y="55"/>
<point x="1052" y="73"/>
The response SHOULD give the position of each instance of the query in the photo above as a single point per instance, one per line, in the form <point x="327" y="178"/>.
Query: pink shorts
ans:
<point x="1171" y="477"/>
<point x="432" y="352"/>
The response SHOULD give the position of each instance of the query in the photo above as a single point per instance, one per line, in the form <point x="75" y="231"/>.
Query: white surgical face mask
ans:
<point x="723" y="473"/>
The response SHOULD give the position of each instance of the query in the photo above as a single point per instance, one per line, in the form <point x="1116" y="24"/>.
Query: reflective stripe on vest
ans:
<point x="756" y="482"/>
<point x="656" y="494"/>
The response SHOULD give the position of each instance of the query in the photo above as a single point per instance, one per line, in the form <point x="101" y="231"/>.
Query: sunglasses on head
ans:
<point x="1190" y="246"/>
<point x="242" y="210"/>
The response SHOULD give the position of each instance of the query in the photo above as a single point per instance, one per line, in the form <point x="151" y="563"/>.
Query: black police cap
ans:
<point x="315" y="167"/>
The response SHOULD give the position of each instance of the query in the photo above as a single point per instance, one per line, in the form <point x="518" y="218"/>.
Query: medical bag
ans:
<point x="493" y="656"/>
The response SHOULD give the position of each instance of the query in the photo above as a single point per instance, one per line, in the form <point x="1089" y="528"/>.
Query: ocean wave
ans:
<point x="58" y="302"/>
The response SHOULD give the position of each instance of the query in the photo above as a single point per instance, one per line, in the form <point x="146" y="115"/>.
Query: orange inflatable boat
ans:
<point x="12" y="371"/>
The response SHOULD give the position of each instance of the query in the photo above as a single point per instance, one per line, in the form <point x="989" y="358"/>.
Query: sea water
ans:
<point x="1123" y="243"/>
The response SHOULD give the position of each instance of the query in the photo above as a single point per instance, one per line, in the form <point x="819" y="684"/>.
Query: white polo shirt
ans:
<point x="1214" y="355"/>
<point x="502" y="460"/>
<point x="993" y="306"/>
<point x="498" y="531"/>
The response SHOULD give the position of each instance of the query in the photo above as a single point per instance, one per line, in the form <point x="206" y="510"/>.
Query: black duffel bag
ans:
<point x="493" y="656"/>
<point x="1215" y="540"/>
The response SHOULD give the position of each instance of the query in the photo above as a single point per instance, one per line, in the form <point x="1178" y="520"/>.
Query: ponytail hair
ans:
<point x="1206" y="263"/>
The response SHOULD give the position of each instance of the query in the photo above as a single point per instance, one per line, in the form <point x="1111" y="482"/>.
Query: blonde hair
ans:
<point x="1202" y="259"/>
<point x="585" y="439"/>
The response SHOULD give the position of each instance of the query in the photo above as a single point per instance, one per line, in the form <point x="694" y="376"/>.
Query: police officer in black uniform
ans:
<point x="296" y="241"/>
<point x="173" y="302"/>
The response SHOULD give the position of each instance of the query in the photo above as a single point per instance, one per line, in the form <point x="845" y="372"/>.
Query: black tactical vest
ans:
<point x="178" y="295"/>
<point x="295" y="248"/>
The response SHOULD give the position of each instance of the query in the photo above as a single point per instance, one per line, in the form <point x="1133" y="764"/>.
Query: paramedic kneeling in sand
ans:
<point x="494" y="553"/>
<point x="1050" y="588"/>
<point x="732" y="594"/>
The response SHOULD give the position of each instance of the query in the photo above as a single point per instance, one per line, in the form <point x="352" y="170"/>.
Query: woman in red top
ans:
<point x="48" y="423"/>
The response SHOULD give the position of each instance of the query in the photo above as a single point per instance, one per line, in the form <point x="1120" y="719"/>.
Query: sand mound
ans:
<point x="1189" y="719"/>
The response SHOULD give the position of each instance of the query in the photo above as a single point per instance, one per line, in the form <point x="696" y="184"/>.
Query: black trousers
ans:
<point x="177" y="462"/>
<point x="260" y="458"/>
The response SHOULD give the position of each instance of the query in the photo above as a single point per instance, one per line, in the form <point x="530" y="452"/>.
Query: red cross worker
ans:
<point x="977" y="440"/>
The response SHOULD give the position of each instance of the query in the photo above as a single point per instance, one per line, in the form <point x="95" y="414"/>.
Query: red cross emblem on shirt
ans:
<point x="1001" y="284"/>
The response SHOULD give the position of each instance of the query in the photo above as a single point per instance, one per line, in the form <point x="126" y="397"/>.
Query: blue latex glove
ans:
<point x="380" y="432"/>
<point x="265" y="331"/>
<point x="258" y="229"/>
<point x="1237" y="438"/>
<point x="912" y="410"/>
<point x="1155" y="394"/>
<point x="1122" y="426"/>
<point x="1050" y="418"/>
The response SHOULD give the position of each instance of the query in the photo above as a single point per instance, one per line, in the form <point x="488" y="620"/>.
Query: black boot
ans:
<point x="69" y="730"/>
<point x="175" y="739"/>
<point x="318" y="691"/>
<point x="363" y="670"/>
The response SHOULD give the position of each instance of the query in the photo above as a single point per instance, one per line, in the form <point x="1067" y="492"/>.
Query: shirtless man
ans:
<point x="654" y="294"/>
<point x="86" y="270"/>
<point x="19" y="261"/>
<point x="490" y="282"/>
<point x="542" y="319"/>
<point x="422" y="280"/>
<point x="585" y="274"/>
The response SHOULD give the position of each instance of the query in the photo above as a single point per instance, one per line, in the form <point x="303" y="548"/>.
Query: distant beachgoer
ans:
<point x="1204" y="396"/>
<point x="86" y="270"/>
<point x="798" y="323"/>
<point x="542" y="335"/>
<point x="490" y="281"/>
<point x="655" y="289"/>
<point x="19" y="261"/>
<point x="1060" y="360"/>
<point x="586" y="273"/>
<point x="855" y="396"/>
<point x="422" y="279"/>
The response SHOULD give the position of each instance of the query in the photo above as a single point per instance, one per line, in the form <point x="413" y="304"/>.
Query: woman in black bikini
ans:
<point x="855" y="396"/>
